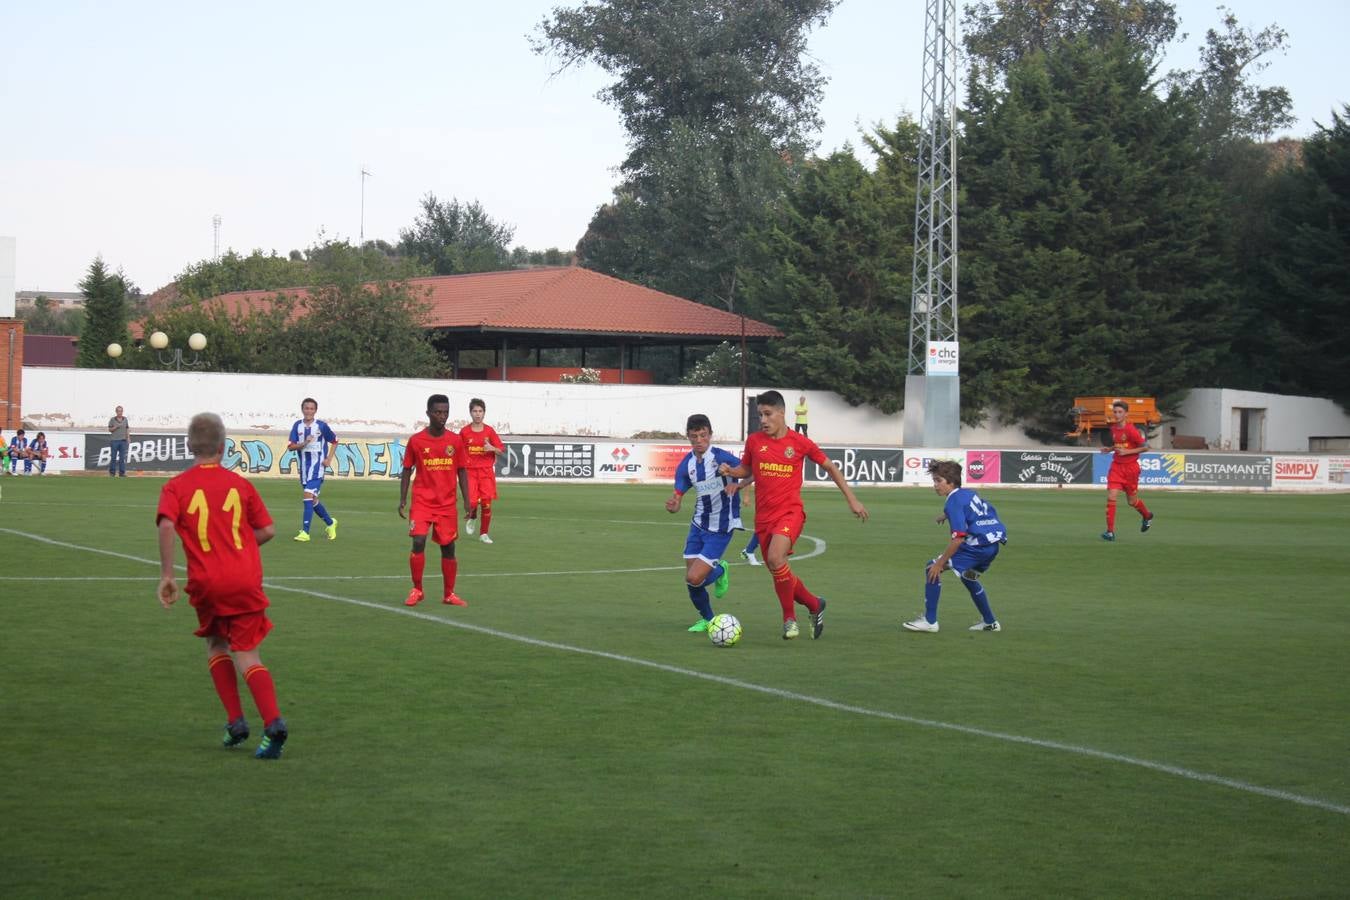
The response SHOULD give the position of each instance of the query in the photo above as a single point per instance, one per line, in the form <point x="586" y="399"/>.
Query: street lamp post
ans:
<point x="159" y="341"/>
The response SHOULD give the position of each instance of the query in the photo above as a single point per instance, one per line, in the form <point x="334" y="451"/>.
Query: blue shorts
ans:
<point x="312" y="485"/>
<point x="973" y="559"/>
<point x="706" y="545"/>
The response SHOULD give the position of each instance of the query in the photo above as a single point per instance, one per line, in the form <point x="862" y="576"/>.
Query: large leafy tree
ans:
<point x="453" y="238"/>
<point x="1090" y="249"/>
<point x="106" y="310"/>
<point x="1306" y="270"/>
<point x="836" y="276"/>
<point x="45" y="317"/>
<point x="718" y="98"/>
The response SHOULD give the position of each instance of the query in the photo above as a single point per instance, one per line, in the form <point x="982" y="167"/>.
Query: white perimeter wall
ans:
<point x="84" y="399"/>
<point x="1290" y="421"/>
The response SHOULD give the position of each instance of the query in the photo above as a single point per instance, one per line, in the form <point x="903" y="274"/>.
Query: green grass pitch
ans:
<point x="1165" y="716"/>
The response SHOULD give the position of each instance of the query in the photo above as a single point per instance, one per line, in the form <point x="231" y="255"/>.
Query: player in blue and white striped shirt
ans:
<point x="315" y="444"/>
<point x="717" y="516"/>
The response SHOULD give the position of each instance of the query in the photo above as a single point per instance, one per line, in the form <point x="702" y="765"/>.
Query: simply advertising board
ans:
<point x="1046" y="467"/>
<point x="1300" y="471"/>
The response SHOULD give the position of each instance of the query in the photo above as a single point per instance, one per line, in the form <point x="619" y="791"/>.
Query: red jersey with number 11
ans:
<point x="214" y="512"/>
<point x="778" y="466"/>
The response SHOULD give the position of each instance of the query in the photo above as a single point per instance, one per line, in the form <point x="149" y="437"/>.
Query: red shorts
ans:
<point x="1117" y="481"/>
<point x="444" y="519"/>
<point x="482" y="485"/>
<point x="244" y="631"/>
<point x="790" y="524"/>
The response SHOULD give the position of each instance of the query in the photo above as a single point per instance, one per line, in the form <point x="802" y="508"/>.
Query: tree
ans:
<point x="838" y="284"/>
<point x="453" y="238"/>
<point x="46" y="318"/>
<point x="232" y="272"/>
<point x="999" y="33"/>
<point x="1306" y="269"/>
<point x="718" y="98"/>
<point x="105" y="305"/>
<point x="1090" y="247"/>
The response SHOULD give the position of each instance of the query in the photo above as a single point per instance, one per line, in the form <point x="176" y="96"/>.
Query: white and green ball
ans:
<point x="724" y="630"/>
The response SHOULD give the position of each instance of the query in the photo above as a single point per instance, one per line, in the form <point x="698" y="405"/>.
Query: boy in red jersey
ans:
<point x="483" y="446"/>
<point x="1127" y="443"/>
<point x="221" y="521"/>
<point x="438" y="456"/>
<point x="776" y="459"/>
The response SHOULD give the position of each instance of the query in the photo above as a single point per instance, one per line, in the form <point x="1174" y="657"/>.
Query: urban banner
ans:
<point x="545" y="459"/>
<point x="862" y="465"/>
<point x="1045" y="467"/>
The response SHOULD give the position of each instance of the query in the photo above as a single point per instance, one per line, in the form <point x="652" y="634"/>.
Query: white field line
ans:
<point x="1090" y="752"/>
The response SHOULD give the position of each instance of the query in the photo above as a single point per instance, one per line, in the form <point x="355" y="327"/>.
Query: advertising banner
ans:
<point x="1300" y="471"/>
<point x="982" y="467"/>
<point x="1155" y="469"/>
<point x="944" y="358"/>
<point x="65" y="452"/>
<point x="160" y="453"/>
<point x="1338" y="469"/>
<point x="650" y="463"/>
<point x="1046" y="467"/>
<point x="546" y="459"/>
<point x="916" y="464"/>
<point x="268" y="456"/>
<point x="861" y="465"/>
<point x="1217" y="470"/>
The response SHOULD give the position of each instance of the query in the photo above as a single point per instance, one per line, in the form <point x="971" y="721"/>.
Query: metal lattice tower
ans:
<point x="933" y="310"/>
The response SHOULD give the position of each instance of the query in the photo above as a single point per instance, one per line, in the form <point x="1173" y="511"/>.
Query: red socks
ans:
<point x="264" y="692"/>
<point x="485" y="513"/>
<point x="417" y="562"/>
<point x="449" y="569"/>
<point x="1141" y="508"/>
<point x="789" y="588"/>
<point x="227" y="684"/>
<point x="1110" y="515"/>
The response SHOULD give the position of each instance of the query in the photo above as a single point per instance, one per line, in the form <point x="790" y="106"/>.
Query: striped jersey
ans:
<point x="713" y="510"/>
<point x="317" y="437"/>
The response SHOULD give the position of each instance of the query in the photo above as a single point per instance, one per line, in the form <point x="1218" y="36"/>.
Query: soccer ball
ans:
<point x="724" y="630"/>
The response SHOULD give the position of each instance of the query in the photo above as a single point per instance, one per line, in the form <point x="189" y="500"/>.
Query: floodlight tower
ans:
<point x="932" y="382"/>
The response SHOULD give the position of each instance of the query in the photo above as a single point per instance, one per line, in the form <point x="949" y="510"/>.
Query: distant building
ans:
<point x="60" y="299"/>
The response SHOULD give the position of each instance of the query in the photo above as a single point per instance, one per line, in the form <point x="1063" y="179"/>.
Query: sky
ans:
<point x="125" y="128"/>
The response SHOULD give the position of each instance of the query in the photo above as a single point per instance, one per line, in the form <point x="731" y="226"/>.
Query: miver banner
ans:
<point x="545" y="459"/>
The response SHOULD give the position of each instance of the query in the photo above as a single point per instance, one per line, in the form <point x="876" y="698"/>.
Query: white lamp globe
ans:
<point x="114" y="350"/>
<point x="159" y="340"/>
<point x="197" y="341"/>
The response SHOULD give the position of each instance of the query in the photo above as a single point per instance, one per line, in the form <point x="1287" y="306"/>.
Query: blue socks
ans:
<point x="323" y="514"/>
<point x="308" y="517"/>
<point x="931" y="593"/>
<point x="981" y="600"/>
<point x="715" y="574"/>
<point x="699" y="595"/>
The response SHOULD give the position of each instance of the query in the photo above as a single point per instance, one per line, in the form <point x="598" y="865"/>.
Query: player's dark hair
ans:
<point x="1121" y="404"/>
<point x="437" y="398"/>
<point x="771" y="398"/>
<point x="697" y="421"/>
<point x="309" y="400"/>
<point x="949" y="470"/>
<point x="477" y="402"/>
<point x="206" y="434"/>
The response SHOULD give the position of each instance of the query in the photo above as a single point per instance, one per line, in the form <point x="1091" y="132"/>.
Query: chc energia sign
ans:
<point x="944" y="358"/>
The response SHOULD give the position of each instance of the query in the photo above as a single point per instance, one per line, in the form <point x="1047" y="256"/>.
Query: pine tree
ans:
<point x="105" y="304"/>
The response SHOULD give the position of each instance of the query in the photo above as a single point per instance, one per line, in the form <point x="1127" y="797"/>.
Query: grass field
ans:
<point x="1166" y="716"/>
